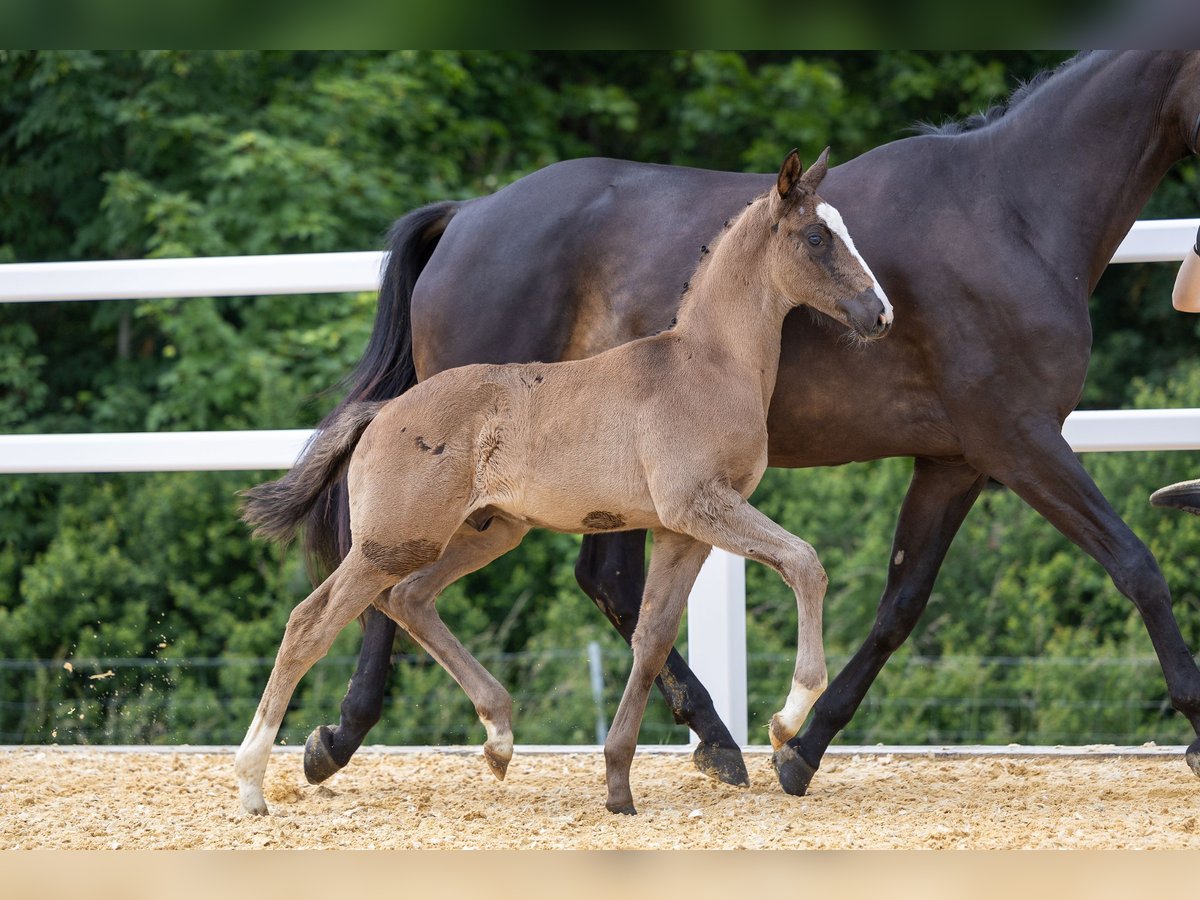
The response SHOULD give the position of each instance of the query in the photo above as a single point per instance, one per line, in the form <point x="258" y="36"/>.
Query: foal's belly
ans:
<point x="582" y="505"/>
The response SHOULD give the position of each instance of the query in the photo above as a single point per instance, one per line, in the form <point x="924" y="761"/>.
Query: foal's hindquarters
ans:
<point x="410" y="490"/>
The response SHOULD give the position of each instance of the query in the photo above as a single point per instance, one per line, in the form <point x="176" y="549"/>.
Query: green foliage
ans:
<point x="142" y="154"/>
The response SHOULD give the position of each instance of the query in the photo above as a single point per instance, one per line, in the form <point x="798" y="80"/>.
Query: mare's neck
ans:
<point x="1078" y="159"/>
<point x="732" y="314"/>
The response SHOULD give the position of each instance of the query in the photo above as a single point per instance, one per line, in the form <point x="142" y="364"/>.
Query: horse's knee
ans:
<point x="1138" y="576"/>
<point x="896" y="619"/>
<point x="803" y="572"/>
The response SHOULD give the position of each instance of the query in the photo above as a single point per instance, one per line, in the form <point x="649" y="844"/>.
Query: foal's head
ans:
<point x="812" y="259"/>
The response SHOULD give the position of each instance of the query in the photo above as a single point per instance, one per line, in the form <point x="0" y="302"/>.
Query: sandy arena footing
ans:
<point x="132" y="798"/>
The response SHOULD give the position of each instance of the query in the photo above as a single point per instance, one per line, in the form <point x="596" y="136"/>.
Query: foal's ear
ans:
<point x="816" y="173"/>
<point x="789" y="174"/>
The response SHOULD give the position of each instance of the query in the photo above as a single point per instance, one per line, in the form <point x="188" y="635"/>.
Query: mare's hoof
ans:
<point x="319" y="763"/>
<point x="722" y="763"/>
<point x="623" y="809"/>
<point x="1193" y="757"/>
<point x="497" y="762"/>
<point x="1185" y="495"/>
<point x="793" y="771"/>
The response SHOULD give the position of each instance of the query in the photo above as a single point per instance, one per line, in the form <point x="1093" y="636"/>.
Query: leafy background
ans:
<point x="152" y="578"/>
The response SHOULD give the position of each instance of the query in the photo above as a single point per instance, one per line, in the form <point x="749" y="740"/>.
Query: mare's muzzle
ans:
<point x="867" y="314"/>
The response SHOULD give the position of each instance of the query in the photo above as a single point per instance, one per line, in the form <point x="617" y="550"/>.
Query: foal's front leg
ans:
<point x="611" y="570"/>
<point x="674" y="564"/>
<point x="718" y="515"/>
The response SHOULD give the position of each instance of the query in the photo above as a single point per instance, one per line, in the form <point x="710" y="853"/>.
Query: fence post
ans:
<point x="717" y="637"/>
<point x="596" y="670"/>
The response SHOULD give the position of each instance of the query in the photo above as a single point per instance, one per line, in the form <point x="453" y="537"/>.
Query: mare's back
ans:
<point x="585" y="244"/>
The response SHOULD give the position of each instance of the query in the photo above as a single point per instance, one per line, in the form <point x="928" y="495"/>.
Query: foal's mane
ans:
<point x="1023" y="91"/>
<point x="707" y="250"/>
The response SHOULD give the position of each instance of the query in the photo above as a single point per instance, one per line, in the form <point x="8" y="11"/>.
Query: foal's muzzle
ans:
<point x="868" y="315"/>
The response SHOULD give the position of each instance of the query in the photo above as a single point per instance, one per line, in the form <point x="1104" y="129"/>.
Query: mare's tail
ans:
<point x="385" y="370"/>
<point x="277" y="509"/>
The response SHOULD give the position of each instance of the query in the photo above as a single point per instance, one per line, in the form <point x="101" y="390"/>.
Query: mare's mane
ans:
<point x="997" y="111"/>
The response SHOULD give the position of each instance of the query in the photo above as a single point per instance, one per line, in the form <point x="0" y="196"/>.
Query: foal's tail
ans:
<point x="385" y="371"/>
<point x="277" y="509"/>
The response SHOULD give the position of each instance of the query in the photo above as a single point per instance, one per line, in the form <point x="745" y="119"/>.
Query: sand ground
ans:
<point x="60" y="798"/>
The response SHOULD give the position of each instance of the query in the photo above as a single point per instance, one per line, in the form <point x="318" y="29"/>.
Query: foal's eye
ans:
<point x="815" y="240"/>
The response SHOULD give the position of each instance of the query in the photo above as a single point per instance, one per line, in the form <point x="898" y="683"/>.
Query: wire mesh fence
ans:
<point x="568" y="695"/>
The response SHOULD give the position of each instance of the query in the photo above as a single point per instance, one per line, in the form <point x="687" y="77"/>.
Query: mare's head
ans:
<point x="812" y="258"/>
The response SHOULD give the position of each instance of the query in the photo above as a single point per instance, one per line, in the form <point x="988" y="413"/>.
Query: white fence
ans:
<point x="717" y="609"/>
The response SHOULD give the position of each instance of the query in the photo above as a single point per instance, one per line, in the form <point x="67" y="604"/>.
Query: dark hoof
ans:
<point x="497" y="763"/>
<point x="1193" y="757"/>
<point x="1185" y="495"/>
<point x="722" y="763"/>
<point x="623" y="809"/>
<point x="794" y="773"/>
<point x="319" y="763"/>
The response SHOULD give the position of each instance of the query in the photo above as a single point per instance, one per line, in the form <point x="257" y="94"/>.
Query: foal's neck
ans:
<point x="730" y="311"/>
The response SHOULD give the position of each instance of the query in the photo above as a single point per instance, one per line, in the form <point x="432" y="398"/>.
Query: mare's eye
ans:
<point x="815" y="240"/>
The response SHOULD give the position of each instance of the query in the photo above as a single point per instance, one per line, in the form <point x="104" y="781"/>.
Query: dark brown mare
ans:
<point x="990" y="237"/>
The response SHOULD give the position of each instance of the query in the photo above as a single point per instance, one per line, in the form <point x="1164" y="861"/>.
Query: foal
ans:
<point x="453" y="473"/>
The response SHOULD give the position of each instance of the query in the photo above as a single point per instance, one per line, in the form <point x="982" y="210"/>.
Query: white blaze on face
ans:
<point x="833" y="219"/>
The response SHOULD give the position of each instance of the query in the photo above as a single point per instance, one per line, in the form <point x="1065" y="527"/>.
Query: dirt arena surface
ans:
<point x="96" y="799"/>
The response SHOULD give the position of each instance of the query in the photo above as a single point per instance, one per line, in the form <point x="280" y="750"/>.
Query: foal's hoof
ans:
<point x="253" y="801"/>
<point x="722" y="763"/>
<point x="497" y="761"/>
<point x="623" y="809"/>
<point x="319" y="763"/>
<point x="793" y="771"/>
<point x="1185" y="495"/>
<point x="1193" y="757"/>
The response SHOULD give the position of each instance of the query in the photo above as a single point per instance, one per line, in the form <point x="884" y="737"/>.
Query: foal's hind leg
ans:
<point x="718" y="515"/>
<point x="674" y="565"/>
<point x="311" y="628"/>
<point x="411" y="604"/>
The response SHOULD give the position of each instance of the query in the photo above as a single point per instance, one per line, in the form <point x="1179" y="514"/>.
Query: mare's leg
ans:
<point x="328" y="749"/>
<point x="938" y="499"/>
<point x="311" y="628"/>
<point x="1046" y="474"/>
<point x="718" y="515"/>
<point x="674" y="565"/>
<point x="609" y="570"/>
<point x="411" y="604"/>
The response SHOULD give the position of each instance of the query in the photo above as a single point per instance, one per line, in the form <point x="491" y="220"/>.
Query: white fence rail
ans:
<point x="716" y="629"/>
<point x="1089" y="431"/>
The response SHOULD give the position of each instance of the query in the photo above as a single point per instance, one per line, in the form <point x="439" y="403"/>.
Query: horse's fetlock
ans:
<point x="1188" y="704"/>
